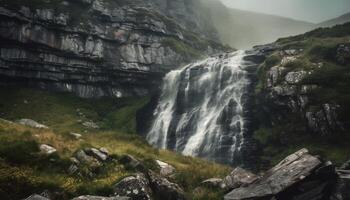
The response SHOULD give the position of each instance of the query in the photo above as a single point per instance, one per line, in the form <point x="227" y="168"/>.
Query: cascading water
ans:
<point x="201" y="109"/>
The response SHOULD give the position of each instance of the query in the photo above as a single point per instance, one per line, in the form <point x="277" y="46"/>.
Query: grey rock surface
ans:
<point x="290" y="171"/>
<point x="88" y="197"/>
<point x="31" y="123"/>
<point x="136" y="187"/>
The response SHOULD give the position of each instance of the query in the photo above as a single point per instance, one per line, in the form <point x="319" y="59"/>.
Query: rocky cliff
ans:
<point x="302" y="94"/>
<point x="97" y="48"/>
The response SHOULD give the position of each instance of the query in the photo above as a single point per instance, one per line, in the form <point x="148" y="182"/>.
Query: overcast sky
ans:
<point x="307" y="10"/>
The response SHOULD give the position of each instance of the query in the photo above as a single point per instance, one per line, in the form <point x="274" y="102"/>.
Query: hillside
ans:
<point x="332" y="22"/>
<point x="25" y="170"/>
<point x="302" y="96"/>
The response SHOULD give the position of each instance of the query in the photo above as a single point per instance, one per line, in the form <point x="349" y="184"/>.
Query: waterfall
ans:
<point x="201" y="109"/>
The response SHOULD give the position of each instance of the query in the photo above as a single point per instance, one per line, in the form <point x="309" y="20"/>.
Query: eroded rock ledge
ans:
<point x="108" y="50"/>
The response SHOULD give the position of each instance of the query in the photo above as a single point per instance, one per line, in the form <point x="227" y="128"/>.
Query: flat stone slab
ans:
<point x="289" y="171"/>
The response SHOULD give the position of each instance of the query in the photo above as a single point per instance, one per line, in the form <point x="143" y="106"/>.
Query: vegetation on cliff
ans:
<point x="323" y="56"/>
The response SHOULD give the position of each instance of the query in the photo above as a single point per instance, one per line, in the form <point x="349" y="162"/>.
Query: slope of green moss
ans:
<point x="24" y="171"/>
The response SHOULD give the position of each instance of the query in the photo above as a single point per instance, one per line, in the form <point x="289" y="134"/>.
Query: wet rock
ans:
<point x="164" y="189"/>
<point x="165" y="168"/>
<point x="238" y="177"/>
<point x="46" y="149"/>
<point x="294" y="171"/>
<point x="136" y="187"/>
<point x="36" y="197"/>
<point x="31" y="123"/>
<point x="88" y="197"/>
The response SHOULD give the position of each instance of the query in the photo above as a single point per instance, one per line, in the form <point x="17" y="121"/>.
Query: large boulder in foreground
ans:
<point x="300" y="176"/>
<point x="136" y="187"/>
<point x="238" y="177"/>
<point x="164" y="189"/>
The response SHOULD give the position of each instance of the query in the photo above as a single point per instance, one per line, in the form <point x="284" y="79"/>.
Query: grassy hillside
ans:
<point x="23" y="170"/>
<point x="329" y="74"/>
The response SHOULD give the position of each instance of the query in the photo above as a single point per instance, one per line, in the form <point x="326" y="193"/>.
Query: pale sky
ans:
<point x="307" y="10"/>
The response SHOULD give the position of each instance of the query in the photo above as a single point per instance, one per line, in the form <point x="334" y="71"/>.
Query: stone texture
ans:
<point x="88" y="197"/>
<point x="110" y="52"/>
<point x="164" y="189"/>
<point x="289" y="172"/>
<point x="36" y="197"/>
<point x="136" y="187"/>
<point x="238" y="177"/>
<point x="165" y="168"/>
<point x="32" y="123"/>
<point x="47" y="149"/>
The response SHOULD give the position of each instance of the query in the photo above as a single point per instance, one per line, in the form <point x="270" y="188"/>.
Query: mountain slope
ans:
<point x="24" y="170"/>
<point x="339" y="20"/>
<point x="302" y="98"/>
<point x="244" y="29"/>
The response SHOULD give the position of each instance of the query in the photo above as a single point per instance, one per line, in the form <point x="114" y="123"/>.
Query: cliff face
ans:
<point x="96" y="48"/>
<point x="302" y="94"/>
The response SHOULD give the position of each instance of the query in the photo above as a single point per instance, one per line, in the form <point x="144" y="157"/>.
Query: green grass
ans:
<point x="290" y="133"/>
<point x="23" y="170"/>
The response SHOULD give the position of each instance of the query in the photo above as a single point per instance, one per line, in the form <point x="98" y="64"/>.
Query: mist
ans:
<point x="315" y="11"/>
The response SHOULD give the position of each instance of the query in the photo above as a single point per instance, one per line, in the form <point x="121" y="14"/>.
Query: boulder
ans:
<point x="131" y="162"/>
<point x="76" y="135"/>
<point x="36" y="197"/>
<point x="136" y="187"/>
<point x="238" y="177"/>
<point x="299" y="176"/>
<point x="97" y="154"/>
<point x="295" y="77"/>
<point x="341" y="191"/>
<point x="31" y="123"/>
<point x="212" y="183"/>
<point x="165" y="168"/>
<point x="86" y="159"/>
<point x="91" y="125"/>
<point x="46" y="149"/>
<point x="164" y="189"/>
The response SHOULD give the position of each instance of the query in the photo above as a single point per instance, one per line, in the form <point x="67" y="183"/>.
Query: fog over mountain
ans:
<point x="314" y="11"/>
<point x="244" y="29"/>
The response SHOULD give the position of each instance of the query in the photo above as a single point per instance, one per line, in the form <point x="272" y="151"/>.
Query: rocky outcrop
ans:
<point x="237" y="178"/>
<point x="299" y="176"/>
<point x="36" y="197"/>
<point x="136" y="187"/>
<point x="112" y="49"/>
<point x="47" y="149"/>
<point x="284" y="91"/>
<point x="165" y="168"/>
<point x="86" y="163"/>
<point x="32" y="123"/>
<point x="164" y="189"/>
